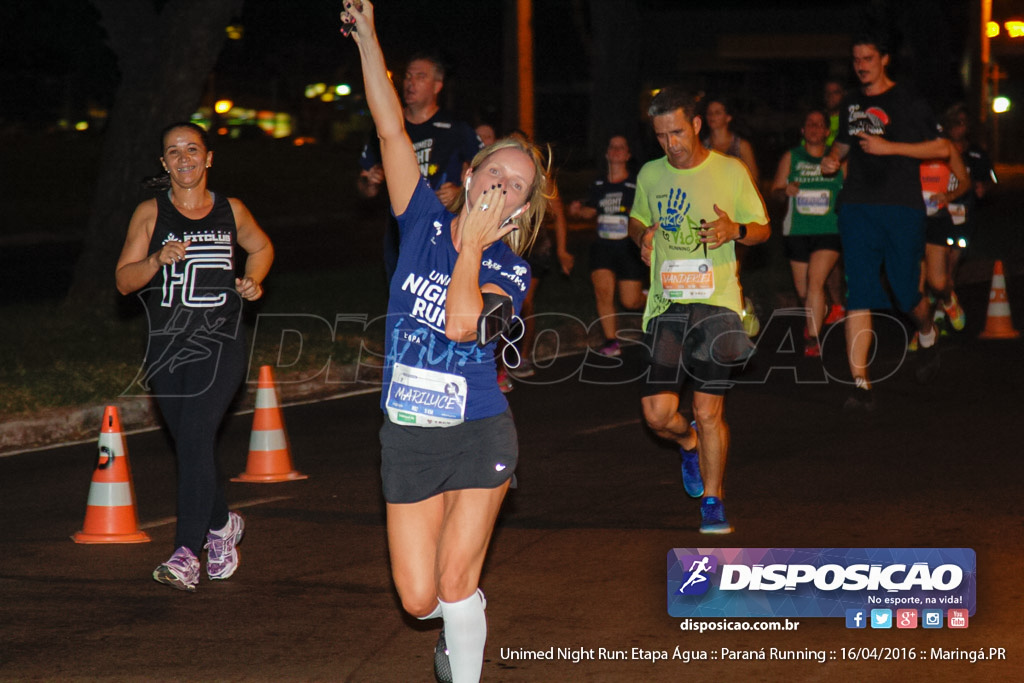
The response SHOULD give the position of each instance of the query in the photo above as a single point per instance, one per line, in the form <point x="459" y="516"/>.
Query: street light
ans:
<point x="1001" y="104"/>
<point x="223" y="106"/>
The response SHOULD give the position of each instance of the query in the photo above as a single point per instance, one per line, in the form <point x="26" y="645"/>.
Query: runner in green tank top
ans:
<point x="810" y="227"/>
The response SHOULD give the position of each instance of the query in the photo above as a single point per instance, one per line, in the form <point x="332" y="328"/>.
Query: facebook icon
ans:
<point x="856" y="618"/>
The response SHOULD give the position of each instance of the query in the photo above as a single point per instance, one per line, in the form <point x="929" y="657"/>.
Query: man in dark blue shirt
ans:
<point x="444" y="145"/>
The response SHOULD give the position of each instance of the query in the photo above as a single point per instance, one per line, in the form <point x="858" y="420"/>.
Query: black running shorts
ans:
<point x="420" y="462"/>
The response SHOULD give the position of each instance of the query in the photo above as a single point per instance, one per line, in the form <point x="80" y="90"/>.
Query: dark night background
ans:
<point x="56" y="64"/>
<point x="595" y="64"/>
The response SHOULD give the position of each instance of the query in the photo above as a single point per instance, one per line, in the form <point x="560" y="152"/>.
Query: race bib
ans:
<point x="931" y="203"/>
<point x="958" y="212"/>
<point x="426" y="398"/>
<point x="813" y="202"/>
<point x="613" y="227"/>
<point x="687" y="279"/>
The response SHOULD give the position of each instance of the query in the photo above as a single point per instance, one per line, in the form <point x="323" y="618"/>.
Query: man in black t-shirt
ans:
<point x="886" y="131"/>
<point x="444" y="145"/>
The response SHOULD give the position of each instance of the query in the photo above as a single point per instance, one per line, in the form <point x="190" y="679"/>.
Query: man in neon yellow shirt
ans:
<point x="691" y="206"/>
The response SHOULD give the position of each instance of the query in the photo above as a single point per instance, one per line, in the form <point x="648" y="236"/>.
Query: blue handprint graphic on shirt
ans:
<point x="674" y="210"/>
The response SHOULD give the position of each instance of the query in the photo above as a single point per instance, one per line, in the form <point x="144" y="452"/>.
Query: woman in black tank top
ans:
<point x="181" y="249"/>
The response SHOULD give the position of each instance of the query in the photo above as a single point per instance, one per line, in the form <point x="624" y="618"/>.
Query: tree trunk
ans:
<point x="164" y="59"/>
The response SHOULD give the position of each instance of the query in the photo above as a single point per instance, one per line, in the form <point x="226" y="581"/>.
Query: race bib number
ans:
<point x="931" y="203"/>
<point x="936" y="178"/>
<point x="613" y="227"/>
<point x="813" y="202"/>
<point x="687" y="279"/>
<point x="426" y="398"/>
<point x="958" y="212"/>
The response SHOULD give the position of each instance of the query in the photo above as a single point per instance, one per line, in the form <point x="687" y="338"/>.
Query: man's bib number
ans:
<point x="687" y="279"/>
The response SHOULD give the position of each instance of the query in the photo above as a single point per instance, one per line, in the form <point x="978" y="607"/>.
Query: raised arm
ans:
<point x="464" y="302"/>
<point x="397" y="155"/>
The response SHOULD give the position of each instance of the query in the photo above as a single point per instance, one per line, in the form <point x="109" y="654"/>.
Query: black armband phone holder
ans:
<point x="495" y="318"/>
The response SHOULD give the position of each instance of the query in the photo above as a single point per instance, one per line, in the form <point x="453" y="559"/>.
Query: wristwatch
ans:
<point x="743" y="232"/>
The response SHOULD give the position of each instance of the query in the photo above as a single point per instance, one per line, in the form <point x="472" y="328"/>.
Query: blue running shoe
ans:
<point x="692" y="481"/>
<point x="712" y="517"/>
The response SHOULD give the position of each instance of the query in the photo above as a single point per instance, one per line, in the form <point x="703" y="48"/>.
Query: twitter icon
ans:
<point x="881" y="618"/>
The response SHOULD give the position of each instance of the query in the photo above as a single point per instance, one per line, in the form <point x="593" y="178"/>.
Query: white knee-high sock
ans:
<point x="465" y="631"/>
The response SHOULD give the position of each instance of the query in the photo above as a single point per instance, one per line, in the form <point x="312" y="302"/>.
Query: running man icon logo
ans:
<point x="695" y="581"/>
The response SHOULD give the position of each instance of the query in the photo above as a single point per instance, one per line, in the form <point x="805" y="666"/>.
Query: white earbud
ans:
<point x="514" y="214"/>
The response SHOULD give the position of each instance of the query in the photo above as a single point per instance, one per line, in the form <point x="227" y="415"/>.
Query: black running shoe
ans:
<point x="442" y="667"/>
<point x="860" y="400"/>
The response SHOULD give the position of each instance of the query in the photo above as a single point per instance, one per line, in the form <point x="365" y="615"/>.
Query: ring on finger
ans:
<point x="484" y="207"/>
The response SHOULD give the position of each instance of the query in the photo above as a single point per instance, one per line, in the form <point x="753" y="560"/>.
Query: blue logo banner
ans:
<point x="818" y="582"/>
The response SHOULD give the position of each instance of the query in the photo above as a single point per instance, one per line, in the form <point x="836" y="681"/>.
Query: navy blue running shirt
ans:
<point x="442" y="144"/>
<point x="430" y="380"/>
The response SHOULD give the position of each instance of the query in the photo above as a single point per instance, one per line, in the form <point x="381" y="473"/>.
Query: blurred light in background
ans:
<point x="315" y="90"/>
<point x="1015" y="29"/>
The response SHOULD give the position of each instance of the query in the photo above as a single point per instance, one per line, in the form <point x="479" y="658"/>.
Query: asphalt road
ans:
<point x="579" y="557"/>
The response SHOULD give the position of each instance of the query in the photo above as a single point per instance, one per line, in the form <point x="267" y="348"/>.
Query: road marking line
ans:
<point x="616" y="425"/>
<point x="244" y="504"/>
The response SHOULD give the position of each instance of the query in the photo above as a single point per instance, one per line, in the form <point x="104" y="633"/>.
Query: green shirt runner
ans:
<point x="683" y="270"/>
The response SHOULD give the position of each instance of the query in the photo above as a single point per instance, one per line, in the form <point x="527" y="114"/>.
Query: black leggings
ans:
<point x="193" y="398"/>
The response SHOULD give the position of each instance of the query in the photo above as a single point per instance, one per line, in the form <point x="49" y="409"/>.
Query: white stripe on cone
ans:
<point x="113" y="494"/>
<point x="267" y="440"/>
<point x="112" y="442"/>
<point x="999" y="308"/>
<point x="266" y="398"/>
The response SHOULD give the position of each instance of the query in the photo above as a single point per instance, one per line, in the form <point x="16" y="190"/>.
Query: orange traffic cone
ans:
<point x="270" y="457"/>
<point x="998" y="324"/>
<point x="110" y="515"/>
